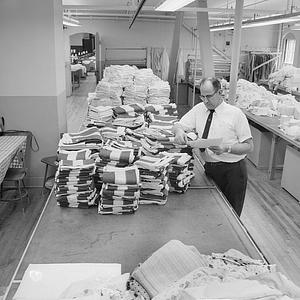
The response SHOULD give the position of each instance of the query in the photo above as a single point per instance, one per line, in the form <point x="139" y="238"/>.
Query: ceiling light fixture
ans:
<point x="271" y="20"/>
<point x="70" y="22"/>
<point x="172" y="5"/>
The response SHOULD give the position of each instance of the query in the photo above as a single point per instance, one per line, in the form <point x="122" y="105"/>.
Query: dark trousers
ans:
<point x="231" y="178"/>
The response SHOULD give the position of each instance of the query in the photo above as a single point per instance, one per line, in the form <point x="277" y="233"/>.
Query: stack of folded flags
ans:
<point x="159" y="92"/>
<point x="109" y="93"/>
<point x="74" y="179"/>
<point x="89" y="138"/>
<point x="129" y="109"/>
<point x="164" y="109"/>
<point x="120" y="190"/>
<point x="161" y="122"/>
<point x="117" y="154"/>
<point x="98" y="116"/>
<point x="111" y="132"/>
<point x="154" y="179"/>
<point x="129" y="122"/>
<point x="180" y="171"/>
<point x="135" y="94"/>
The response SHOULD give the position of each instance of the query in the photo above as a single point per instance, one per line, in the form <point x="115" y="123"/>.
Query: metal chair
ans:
<point x="17" y="172"/>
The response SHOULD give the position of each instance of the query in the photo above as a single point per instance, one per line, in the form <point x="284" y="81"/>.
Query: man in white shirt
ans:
<point x="213" y="118"/>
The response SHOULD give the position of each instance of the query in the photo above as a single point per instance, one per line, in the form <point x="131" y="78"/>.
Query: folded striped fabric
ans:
<point x="84" y="135"/>
<point x="132" y="122"/>
<point x="78" y="146"/>
<point x="139" y="108"/>
<point x="110" y="153"/>
<point x="127" y="175"/>
<point x="153" y="163"/>
<point x="119" y="203"/>
<point x="160" y="124"/>
<point x="111" y="193"/>
<point x="74" y="155"/>
<point x="170" y="119"/>
<point x="115" y="210"/>
<point x="109" y="133"/>
<point x="178" y="158"/>
<point x="77" y="164"/>
<point x="124" y="187"/>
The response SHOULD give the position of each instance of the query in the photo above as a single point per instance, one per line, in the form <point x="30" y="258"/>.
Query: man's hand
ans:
<point x="181" y="138"/>
<point x="218" y="149"/>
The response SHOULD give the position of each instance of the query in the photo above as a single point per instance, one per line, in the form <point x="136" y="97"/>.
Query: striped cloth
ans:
<point x="127" y="175"/>
<point x="74" y="155"/>
<point x="110" y="153"/>
<point x="125" y="109"/>
<point x="77" y="164"/>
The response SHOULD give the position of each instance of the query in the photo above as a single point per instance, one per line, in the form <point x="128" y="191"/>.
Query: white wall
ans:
<point x="115" y="33"/>
<point x="253" y="39"/>
<point x="142" y="34"/>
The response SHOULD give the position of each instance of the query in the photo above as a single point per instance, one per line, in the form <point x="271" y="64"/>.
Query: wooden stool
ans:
<point x="49" y="161"/>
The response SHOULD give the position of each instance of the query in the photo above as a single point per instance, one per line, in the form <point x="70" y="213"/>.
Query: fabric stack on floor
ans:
<point x="154" y="179"/>
<point x="73" y="180"/>
<point x="180" y="171"/>
<point x="159" y="92"/>
<point x="164" y="109"/>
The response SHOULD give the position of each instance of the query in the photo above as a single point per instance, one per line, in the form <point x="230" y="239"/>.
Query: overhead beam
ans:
<point x="227" y="10"/>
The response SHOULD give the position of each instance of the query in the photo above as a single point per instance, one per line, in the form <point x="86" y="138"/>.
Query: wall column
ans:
<point x="236" y="46"/>
<point x="204" y="41"/>
<point x="33" y="88"/>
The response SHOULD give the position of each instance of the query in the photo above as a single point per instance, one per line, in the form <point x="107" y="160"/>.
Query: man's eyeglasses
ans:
<point x="207" y="97"/>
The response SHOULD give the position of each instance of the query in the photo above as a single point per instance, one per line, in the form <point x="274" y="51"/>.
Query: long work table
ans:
<point x="201" y="217"/>
<point x="272" y="125"/>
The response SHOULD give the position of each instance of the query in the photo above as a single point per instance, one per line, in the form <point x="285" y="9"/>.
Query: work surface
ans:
<point x="200" y="217"/>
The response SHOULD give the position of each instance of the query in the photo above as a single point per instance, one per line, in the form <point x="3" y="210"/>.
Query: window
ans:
<point x="289" y="52"/>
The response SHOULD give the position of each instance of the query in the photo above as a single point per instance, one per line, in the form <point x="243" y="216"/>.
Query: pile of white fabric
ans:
<point x="159" y="92"/>
<point x="123" y="75"/>
<point x="109" y="93"/>
<point x="144" y="77"/>
<point x="288" y="77"/>
<point x="135" y="94"/>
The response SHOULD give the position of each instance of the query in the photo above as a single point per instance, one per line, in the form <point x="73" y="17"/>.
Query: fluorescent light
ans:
<point x="272" y="20"/>
<point x="70" y="21"/>
<point x="172" y="5"/>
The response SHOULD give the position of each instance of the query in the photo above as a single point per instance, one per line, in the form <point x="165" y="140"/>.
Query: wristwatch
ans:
<point x="229" y="149"/>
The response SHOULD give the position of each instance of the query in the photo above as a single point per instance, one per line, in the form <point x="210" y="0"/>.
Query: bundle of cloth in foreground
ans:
<point x="179" y="272"/>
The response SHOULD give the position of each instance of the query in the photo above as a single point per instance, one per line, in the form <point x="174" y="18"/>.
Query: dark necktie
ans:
<point x="207" y="126"/>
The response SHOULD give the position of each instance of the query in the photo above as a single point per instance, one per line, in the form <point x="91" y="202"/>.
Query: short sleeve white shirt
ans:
<point x="228" y="122"/>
